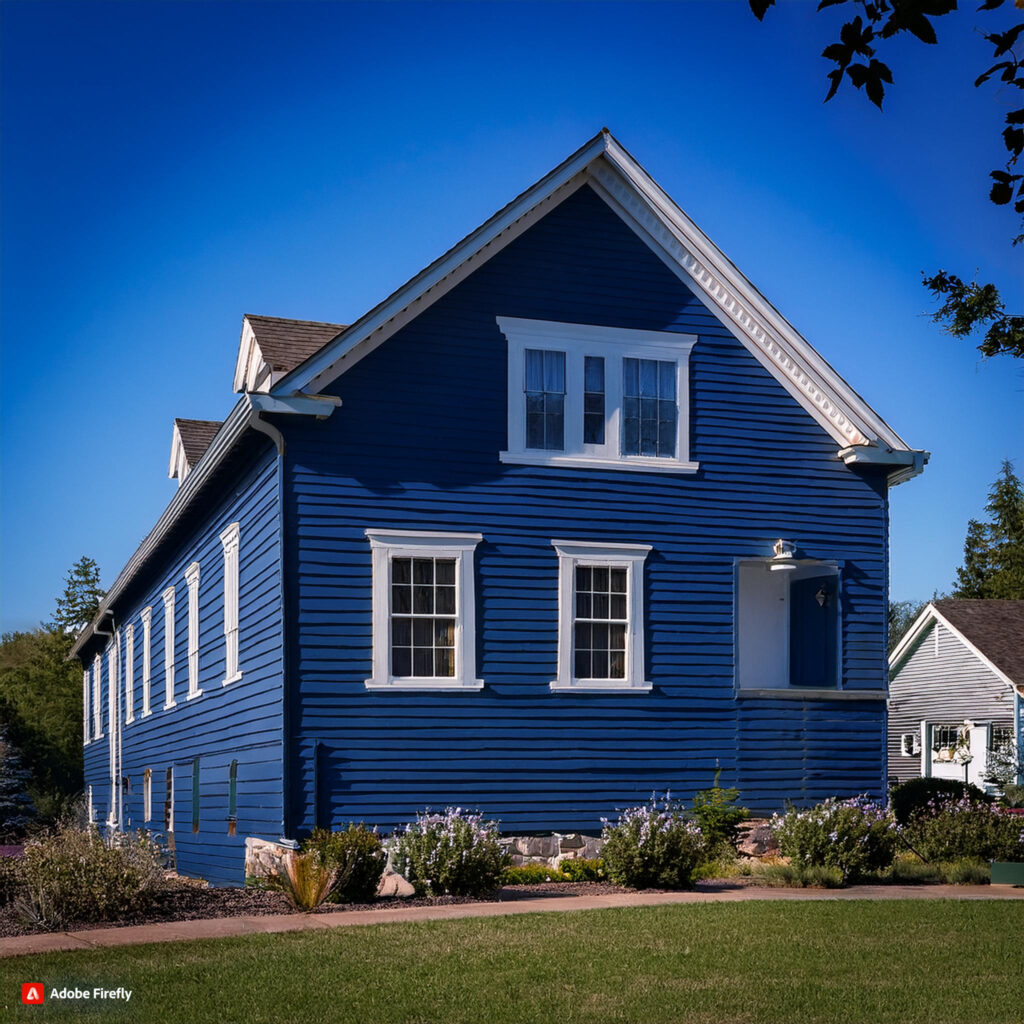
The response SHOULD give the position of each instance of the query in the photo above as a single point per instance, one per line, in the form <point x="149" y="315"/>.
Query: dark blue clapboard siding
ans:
<point x="241" y="721"/>
<point x="415" y="445"/>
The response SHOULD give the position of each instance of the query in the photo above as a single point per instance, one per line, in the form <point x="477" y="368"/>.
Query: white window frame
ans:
<point x="614" y="344"/>
<point x="630" y="557"/>
<point x="168" y="599"/>
<point x="385" y="545"/>
<point x="129" y="673"/>
<point x="97" y="694"/>
<point x="147" y="795"/>
<point x="86" y="725"/>
<point x="147" y="660"/>
<point x="113" y="681"/>
<point x="231" y="540"/>
<point x="192" y="581"/>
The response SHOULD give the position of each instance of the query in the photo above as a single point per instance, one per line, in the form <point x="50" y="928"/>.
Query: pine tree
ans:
<point x="80" y="601"/>
<point x="16" y="807"/>
<point x="994" y="551"/>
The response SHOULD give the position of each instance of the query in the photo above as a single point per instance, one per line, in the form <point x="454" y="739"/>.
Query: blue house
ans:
<point x="572" y="516"/>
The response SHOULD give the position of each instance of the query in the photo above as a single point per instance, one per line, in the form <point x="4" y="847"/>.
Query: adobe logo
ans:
<point x="32" y="993"/>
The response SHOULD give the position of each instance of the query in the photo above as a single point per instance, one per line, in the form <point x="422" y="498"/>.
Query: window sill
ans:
<point x="231" y="679"/>
<point x="560" y="686"/>
<point x="146" y="713"/>
<point x="812" y="693"/>
<point x="414" y="686"/>
<point x="192" y="696"/>
<point x="128" y="721"/>
<point x="636" y="464"/>
<point x="171" y="706"/>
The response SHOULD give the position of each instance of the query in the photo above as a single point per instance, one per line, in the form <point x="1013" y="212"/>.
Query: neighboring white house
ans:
<point x="956" y="690"/>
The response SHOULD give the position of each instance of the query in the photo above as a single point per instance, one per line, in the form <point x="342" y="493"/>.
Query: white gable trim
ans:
<point x="634" y="195"/>
<point x="178" y="467"/>
<point x="251" y="370"/>
<point x="931" y="615"/>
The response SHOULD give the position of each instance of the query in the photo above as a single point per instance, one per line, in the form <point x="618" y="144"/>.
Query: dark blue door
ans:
<point x="813" y="631"/>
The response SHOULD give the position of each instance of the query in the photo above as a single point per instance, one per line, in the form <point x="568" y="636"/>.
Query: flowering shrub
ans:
<point x="74" y="875"/>
<point x="652" y="847"/>
<point x="854" y="835"/>
<point x="950" y="829"/>
<point x="915" y="795"/>
<point x="357" y="857"/>
<point x="455" y="853"/>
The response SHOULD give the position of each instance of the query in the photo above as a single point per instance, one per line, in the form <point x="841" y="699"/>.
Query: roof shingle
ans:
<point x="196" y="436"/>
<point x="285" y="343"/>
<point x="996" y="628"/>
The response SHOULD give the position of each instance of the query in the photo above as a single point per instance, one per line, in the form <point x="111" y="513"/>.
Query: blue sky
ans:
<point x="167" y="167"/>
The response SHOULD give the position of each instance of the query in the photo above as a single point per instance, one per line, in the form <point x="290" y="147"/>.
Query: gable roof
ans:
<point x="992" y="630"/>
<point x="605" y="165"/>
<point x="272" y="346"/>
<point x="189" y="441"/>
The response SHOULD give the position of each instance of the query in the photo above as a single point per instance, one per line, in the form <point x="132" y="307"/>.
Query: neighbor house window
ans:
<point x="97" y="690"/>
<point x="424" y="610"/>
<point x="129" y="673"/>
<point x="85" y="709"/>
<point x="168" y="598"/>
<point x="147" y="659"/>
<point x="1000" y="738"/>
<point x="609" y="397"/>
<point x="147" y="795"/>
<point x="192" y="581"/>
<point x="230" y="539"/>
<point x="600" y="616"/>
<point x="946" y="737"/>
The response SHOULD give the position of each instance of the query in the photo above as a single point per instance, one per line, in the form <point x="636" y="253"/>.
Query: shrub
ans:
<point x="455" y="853"/>
<point x="533" y="874"/>
<point x="1013" y="795"/>
<point x="718" y="816"/>
<point x="652" y="848"/>
<point x="73" y="875"/>
<point x="948" y="830"/>
<point x="855" y="836"/>
<point x="305" y="882"/>
<point x="915" y="795"/>
<point x="357" y="857"/>
<point x="777" y="875"/>
<point x="9" y="880"/>
<point x="582" y="869"/>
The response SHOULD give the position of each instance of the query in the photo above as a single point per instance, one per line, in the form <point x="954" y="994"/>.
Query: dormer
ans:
<point x="271" y="347"/>
<point x="189" y="441"/>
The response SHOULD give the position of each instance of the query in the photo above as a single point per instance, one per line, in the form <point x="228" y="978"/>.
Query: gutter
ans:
<point x="909" y="463"/>
<point x="247" y="414"/>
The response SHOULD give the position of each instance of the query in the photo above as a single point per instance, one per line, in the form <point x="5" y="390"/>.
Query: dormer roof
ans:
<point x="273" y="346"/>
<point x="189" y="441"/>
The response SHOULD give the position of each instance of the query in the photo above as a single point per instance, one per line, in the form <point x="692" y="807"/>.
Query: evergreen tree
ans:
<point x="994" y="551"/>
<point x="80" y="601"/>
<point x="16" y="807"/>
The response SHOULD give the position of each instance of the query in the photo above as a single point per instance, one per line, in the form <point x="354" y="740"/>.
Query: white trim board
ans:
<point x="605" y="165"/>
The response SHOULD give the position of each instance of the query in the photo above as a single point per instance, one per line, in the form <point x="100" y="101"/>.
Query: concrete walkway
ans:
<point x="177" y="931"/>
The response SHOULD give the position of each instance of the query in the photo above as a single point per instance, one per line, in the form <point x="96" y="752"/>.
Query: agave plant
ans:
<point x="306" y="881"/>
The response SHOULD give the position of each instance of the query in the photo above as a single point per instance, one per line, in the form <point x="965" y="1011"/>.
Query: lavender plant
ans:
<point x="653" y="846"/>
<point x="855" y="835"/>
<point x="453" y="853"/>
<point x="946" y="830"/>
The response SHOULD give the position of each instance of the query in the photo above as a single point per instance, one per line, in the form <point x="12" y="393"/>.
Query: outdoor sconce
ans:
<point x="821" y="597"/>
<point x="782" y="559"/>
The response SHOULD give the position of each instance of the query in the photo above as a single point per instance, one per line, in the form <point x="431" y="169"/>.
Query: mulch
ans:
<point x="189" y="902"/>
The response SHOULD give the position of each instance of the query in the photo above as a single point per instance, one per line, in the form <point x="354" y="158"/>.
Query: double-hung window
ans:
<point x="192" y="582"/>
<point x="600" y="616"/>
<point x="607" y="397"/>
<point x="168" y="598"/>
<point x="147" y="659"/>
<point x="129" y="673"/>
<point x="424" y="610"/>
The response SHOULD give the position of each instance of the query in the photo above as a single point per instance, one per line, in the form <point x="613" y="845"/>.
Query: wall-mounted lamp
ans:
<point x="782" y="559"/>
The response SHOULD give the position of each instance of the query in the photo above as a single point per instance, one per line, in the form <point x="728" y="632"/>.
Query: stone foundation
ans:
<point x="755" y="839"/>
<point x="263" y="857"/>
<point x="551" y="850"/>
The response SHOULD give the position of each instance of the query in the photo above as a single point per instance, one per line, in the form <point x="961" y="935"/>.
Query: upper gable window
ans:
<point x="607" y="397"/>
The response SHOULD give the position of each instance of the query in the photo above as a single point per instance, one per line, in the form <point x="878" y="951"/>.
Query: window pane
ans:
<point x="618" y="607"/>
<point x="554" y="426"/>
<point x="593" y="374"/>
<point x="583" y="577"/>
<point x="649" y="407"/>
<point x="601" y="578"/>
<point x="617" y="581"/>
<point x="593" y="400"/>
<point x="534" y="370"/>
<point x="554" y="372"/>
<point x="583" y="605"/>
<point x="445" y="600"/>
<point x="600" y="606"/>
<point x="617" y="665"/>
<point x="422" y="662"/>
<point x="581" y="669"/>
<point x="444" y="569"/>
<point x="401" y="632"/>
<point x="423" y="600"/>
<point x="630" y="377"/>
<point x="444" y="632"/>
<point x="401" y="661"/>
<point x="401" y="570"/>
<point x="667" y="380"/>
<point x="422" y="632"/>
<point x="444" y="663"/>
<point x="401" y="599"/>
<point x="535" y="421"/>
<point x="423" y="570"/>
<point x="648" y="378"/>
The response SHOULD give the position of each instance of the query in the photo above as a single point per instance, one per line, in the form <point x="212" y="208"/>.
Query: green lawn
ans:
<point x="912" y="962"/>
